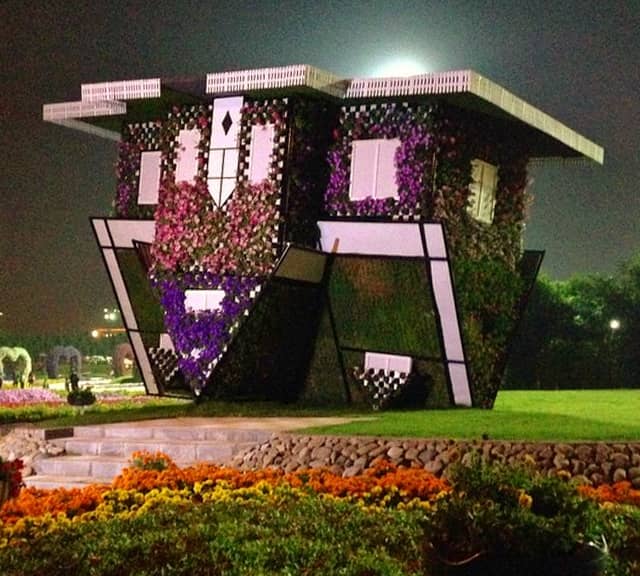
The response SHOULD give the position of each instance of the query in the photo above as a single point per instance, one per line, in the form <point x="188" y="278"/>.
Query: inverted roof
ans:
<point x="105" y="100"/>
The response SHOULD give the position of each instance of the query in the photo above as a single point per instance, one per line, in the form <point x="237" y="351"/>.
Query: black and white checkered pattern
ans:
<point x="146" y="135"/>
<point x="253" y="294"/>
<point x="164" y="364"/>
<point x="180" y="120"/>
<point x="380" y="385"/>
<point x="375" y="113"/>
<point x="280" y="144"/>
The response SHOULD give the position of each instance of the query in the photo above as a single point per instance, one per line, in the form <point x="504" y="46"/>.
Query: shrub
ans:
<point x="81" y="397"/>
<point x="309" y="535"/>
<point x="502" y="520"/>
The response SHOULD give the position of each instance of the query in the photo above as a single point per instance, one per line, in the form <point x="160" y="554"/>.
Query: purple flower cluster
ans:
<point x="413" y="160"/>
<point x="200" y="337"/>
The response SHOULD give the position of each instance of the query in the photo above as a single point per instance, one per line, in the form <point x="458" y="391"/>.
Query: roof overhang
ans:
<point x="104" y="106"/>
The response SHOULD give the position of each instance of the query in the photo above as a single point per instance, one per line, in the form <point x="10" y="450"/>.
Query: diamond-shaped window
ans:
<point x="226" y="123"/>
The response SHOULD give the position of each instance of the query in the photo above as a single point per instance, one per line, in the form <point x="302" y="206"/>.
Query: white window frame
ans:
<point x="202" y="300"/>
<point x="482" y="190"/>
<point x="371" y="175"/>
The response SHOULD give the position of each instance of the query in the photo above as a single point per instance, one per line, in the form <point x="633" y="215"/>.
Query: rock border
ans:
<point x="592" y="463"/>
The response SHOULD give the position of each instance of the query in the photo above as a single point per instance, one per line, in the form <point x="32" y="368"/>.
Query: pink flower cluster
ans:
<point x="21" y="396"/>
<point x="186" y="220"/>
<point x="191" y="230"/>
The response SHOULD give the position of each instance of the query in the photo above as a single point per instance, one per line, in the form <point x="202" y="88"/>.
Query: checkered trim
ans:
<point x="280" y="141"/>
<point x="374" y="114"/>
<point x="276" y="172"/>
<point x="182" y="119"/>
<point x="146" y="135"/>
<point x="164" y="364"/>
<point x="233" y="329"/>
<point x="381" y="386"/>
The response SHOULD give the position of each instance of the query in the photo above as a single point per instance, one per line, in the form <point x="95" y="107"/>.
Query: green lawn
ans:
<point x="518" y="415"/>
<point x="569" y="415"/>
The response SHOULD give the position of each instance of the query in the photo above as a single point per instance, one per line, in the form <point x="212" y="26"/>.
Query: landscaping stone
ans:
<point x="28" y="444"/>
<point x="586" y="463"/>
<point x="633" y="473"/>
<point x="619" y="474"/>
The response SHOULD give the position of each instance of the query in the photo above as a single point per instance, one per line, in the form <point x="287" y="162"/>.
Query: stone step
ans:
<point x="48" y="482"/>
<point x="85" y="466"/>
<point x="179" y="451"/>
<point x="97" y="454"/>
<point x="195" y="433"/>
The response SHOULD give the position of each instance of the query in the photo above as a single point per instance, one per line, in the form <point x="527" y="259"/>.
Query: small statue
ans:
<point x="73" y="379"/>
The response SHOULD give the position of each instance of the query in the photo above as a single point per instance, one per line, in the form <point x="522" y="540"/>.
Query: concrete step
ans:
<point x="196" y="433"/>
<point x="44" y="482"/>
<point x="97" y="454"/>
<point x="180" y="451"/>
<point x="86" y="466"/>
<point x="48" y="482"/>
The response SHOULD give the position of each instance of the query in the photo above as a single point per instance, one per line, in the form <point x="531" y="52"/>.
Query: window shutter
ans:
<point x="482" y="191"/>
<point x="149" y="183"/>
<point x="187" y="156"/>
<point x="261" y="152"/>
<point x="386" y="186"/>
<point x="373" y="170"/>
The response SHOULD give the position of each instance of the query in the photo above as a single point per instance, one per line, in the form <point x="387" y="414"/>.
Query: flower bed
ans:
<point x="22" y="396"/>
<point x="505" y="514"/>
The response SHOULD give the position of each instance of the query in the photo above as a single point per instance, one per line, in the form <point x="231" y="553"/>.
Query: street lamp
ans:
<point x="614" y="325"/>
<point x="110" y="314"/>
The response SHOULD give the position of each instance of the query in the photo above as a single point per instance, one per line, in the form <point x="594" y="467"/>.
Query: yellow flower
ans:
<point x="524" y="500"/>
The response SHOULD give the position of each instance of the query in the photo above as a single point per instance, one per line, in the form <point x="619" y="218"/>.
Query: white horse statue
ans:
<point x="16" y="355"/>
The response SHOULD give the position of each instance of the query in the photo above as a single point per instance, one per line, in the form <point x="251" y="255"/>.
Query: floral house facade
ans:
<point x="285" y="234"/>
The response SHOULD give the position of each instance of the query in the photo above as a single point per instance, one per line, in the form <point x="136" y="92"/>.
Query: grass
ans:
<point x="569" y="415"/>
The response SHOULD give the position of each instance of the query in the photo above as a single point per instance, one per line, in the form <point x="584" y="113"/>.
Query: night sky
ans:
<point x="577" y="61"/>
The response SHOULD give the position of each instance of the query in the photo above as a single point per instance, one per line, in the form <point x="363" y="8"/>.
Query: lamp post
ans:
<point x="614" y="326"/>
<point x="110" y="314"/>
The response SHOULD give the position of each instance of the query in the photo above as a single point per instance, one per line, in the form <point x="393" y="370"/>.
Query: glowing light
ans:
<point x="400" y="67"/>
<point x="110" y="314"/>
<point x="95" y="334"/>
<point x="614" y="324"/>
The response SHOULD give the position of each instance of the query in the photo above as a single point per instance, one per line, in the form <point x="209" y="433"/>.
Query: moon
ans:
<point x="399" y="67"/>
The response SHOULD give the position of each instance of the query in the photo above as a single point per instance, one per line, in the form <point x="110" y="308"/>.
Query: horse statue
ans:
<point x="121" y="353"/>
<point x="20" y="358"/>
<point x="69" y="353"/>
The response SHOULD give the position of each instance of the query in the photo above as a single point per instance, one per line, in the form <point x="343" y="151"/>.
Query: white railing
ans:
<point x="436" y="83"/>
<point x="80" y="109"/>
<point x="108" y="98"/>
<point x="276" y="77"/>
<point x="122" y="90"/>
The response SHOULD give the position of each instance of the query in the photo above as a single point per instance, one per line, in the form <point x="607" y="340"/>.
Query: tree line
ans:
<point x="580" y="333"/>
<point x="41" y="344"/>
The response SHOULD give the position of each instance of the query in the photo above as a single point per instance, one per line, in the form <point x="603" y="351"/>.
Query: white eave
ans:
<point x="299" y="75"/>
<point x="471" y="82"/>
<point x="108" y="98"/>
<point x="100" y="100"/>
<point x="123" y="90"/>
